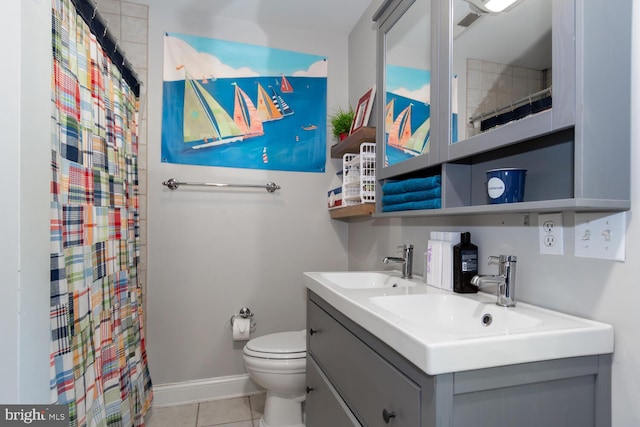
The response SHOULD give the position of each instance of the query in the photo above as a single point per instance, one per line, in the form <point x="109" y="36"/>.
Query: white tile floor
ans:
<point x="235" y="412"/>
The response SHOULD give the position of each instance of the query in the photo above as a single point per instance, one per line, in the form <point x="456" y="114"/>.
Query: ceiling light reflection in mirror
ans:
<point x="495" y="6"/>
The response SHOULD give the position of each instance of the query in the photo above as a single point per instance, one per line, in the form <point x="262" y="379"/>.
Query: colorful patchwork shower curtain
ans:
<point x="98" y="356"/>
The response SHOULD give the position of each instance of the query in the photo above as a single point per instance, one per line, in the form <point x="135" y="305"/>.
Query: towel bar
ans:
<point x="174" y="184"/>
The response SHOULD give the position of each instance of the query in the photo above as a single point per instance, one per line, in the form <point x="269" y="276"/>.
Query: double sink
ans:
<point x="442" y="332"/>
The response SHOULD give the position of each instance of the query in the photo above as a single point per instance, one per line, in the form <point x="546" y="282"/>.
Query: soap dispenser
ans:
<point x="465" y="265"/>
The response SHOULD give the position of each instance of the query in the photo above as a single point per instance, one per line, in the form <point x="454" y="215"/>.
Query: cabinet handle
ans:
<point x="387" y="415"/>
<point x="309" y="389"/>
<point x="313" y="331"/>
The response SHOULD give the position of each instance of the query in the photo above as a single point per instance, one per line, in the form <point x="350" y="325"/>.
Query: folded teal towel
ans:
<point x="425" y="204"/>
<point x="413" y="184"/>
<point x="412" y="196"/>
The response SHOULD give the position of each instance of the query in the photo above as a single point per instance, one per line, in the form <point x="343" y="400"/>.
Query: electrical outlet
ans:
<point x="549" y="240"/>
<point x="600" y="236"/>
<point x="550" y="232"/>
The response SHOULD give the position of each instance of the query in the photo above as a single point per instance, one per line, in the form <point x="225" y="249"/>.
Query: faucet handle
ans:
<point x="405" y="247"/>
<point x="503" y="261"/>
<point x="495" y="259"/>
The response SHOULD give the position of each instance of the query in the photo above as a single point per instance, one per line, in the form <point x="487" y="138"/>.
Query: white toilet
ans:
<point x="277" y="362"/>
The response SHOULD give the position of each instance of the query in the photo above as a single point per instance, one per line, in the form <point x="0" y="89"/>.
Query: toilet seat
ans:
<point x="281" y="345"/>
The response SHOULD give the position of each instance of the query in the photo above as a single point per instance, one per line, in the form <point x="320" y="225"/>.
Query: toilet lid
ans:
<point x="281" y="345"/>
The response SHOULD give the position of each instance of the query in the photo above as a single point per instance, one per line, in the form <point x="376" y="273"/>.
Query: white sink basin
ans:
<point x="367" y="279"/>
<point x="456" y="315"/>
<point x="441" y="332"/>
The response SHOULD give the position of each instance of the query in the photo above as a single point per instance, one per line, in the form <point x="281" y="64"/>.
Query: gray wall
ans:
<point x="603" y="290"/>
<point x="211" y="252"/>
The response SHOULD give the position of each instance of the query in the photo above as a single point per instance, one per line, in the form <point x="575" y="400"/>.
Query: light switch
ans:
<point x="601" y="236"/>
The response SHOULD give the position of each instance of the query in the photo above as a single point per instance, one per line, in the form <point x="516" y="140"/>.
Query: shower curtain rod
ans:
<point x="96" y="23"/>
<point x="522" y="101"/>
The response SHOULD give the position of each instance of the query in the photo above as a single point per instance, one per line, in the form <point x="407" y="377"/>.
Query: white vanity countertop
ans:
<point x="441" y="332"/>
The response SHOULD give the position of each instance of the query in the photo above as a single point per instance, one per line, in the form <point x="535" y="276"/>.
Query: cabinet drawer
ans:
<point x="367" y="382"/>
<point x="324" y="406"/>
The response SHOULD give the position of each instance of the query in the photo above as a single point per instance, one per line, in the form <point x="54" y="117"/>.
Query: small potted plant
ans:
<point x="341" y="120"/>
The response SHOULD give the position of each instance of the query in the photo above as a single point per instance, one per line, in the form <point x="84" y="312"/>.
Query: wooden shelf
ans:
<point x="364" y="209"/>
<point x="351" y="144"/>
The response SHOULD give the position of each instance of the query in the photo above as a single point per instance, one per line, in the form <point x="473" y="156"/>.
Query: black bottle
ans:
<point x="465" y="265"/>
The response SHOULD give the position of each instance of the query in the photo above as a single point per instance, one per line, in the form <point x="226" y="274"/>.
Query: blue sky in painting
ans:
<point x="265" y="61"/>
<point x="407" y="78"/>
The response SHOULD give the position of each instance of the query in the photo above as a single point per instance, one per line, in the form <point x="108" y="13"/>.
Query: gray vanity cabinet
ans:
<point x="370" y="385"/>
<point x="355" y="379"/>
<point x="325" y="403"/>
<point x="576" y="153"/>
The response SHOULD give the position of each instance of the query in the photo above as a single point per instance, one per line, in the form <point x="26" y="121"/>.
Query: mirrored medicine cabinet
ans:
<point x="463" y="90"/>
<point x="407" y="94"/>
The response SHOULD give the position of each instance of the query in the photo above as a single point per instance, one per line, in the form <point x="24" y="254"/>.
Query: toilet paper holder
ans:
<point x="245" y="313"/>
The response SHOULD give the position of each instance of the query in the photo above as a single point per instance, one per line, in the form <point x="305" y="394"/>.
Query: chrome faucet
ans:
<point x="406" y="260"/>
<point x="506" y="279"/>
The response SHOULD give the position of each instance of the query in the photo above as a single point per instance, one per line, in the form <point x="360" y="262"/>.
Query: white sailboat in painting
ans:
<point x="205" y="119"/>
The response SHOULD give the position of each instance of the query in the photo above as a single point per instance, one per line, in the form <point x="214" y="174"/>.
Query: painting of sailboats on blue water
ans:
<point x="407" y="120"/>
<point x="243" y="106"/>
<point x="407" y="113"/>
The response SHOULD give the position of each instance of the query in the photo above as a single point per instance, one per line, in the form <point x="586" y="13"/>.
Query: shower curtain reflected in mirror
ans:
<point x="98" y="356"/>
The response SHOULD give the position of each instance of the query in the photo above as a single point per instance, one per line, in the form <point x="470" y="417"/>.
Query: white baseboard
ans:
<point x="203" y="390"/>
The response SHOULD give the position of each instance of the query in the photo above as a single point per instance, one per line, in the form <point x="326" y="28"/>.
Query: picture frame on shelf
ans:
<point x="363" y="110"/>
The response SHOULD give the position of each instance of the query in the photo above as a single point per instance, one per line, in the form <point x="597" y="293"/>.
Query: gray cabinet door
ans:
<point x="324" y="407"/>
<point x="370" y="386"/>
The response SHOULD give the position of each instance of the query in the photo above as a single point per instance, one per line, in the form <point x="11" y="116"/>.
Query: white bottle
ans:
<point x="433" y="260"/>
<point x="449" y="240"/>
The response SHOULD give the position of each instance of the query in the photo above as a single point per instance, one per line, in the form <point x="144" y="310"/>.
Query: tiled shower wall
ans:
<point x="128" y="23"/>
<point x="491" y="85"/>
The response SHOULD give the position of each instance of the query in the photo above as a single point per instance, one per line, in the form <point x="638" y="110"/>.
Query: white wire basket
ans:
<point x="359" y="176"/>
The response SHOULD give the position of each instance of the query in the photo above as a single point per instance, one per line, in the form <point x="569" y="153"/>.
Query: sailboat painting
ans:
<point x="285" y="85"/>
<point x="228" y="104"/>
<point x="407" y="113"/>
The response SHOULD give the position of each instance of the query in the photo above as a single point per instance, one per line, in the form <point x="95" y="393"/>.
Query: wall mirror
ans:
<point x="407" y="94"/>
<point x="501" y="64"/>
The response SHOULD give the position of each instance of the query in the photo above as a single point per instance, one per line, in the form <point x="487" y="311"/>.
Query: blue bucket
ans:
<point x="506" y="185"/>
